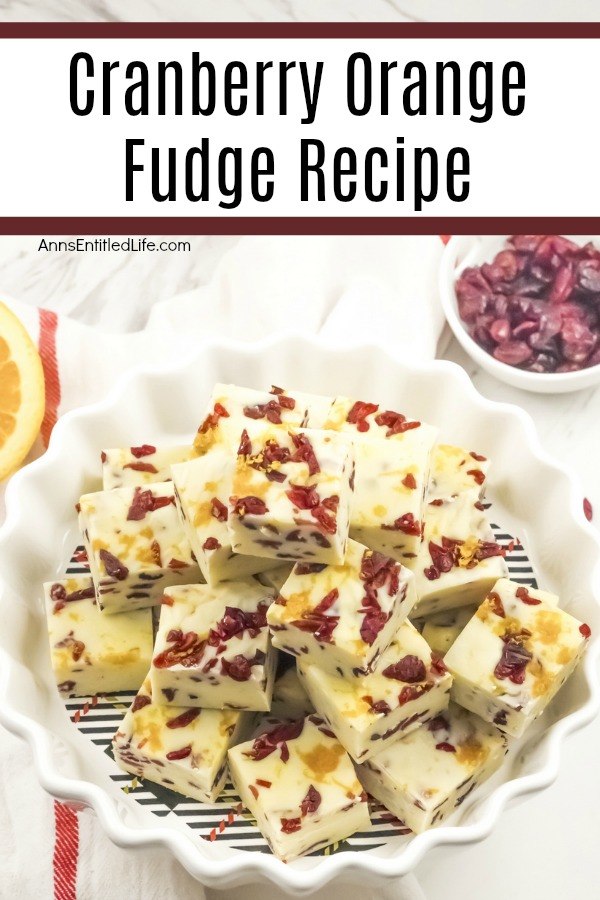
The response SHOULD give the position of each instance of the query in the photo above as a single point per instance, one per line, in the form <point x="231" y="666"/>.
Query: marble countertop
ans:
<point x="549" y="848"/>
<point x="297" y="10"/>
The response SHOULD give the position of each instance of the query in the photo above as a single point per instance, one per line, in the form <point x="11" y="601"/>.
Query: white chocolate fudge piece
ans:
<point x="290" y="700"/>
<point x="367" y="421"/>
<point x="202" y="491"/>
<point x="408" y="686"/>
<point x="184" y="749"/>
<point x="92" y="653"/>
<point x="147" y="464"/>
<point x="291" y="495"/>
<point x="276" y="577"/>
<point x="300" y="785"/>
<point x="459" y="560"/>
<point x="389" y="486"/>
<point x="454" y="470"/>
<point x="425" y="776"/>
<point x="213" y="647"/>
<point x="136" y="546"/>
<point x="232" y="408"/>
<point x="441" y="630"/>
<point x="341" y="618"/>
<point x="514" y="655"/>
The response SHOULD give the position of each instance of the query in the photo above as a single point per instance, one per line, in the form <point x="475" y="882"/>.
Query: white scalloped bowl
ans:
<point x="463" y="251"/>
<point x="533" y="497"/>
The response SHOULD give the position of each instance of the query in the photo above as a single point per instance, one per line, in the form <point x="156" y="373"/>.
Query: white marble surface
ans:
<point x="297" y="10"/>
<point x="544" y="848"/>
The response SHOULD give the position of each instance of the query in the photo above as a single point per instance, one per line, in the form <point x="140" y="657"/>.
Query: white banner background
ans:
<point x="542" y="163"/>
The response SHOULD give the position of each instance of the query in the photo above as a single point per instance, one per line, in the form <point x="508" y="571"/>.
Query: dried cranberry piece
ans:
<point x="239" y="668"/>
<point x="184" y="719"/>
<point x="525" y="597"/>
<point x="142" y="467"/>
<point x="179" y="754"/>
<point x="303" y="496"/>
<point x="311" y="802"/>
<point x="587" y="509"/>
<point x="444" y="745"/>
<point x="585" y="630"/>
<point x="395" y="422"/>
<point x="144" y="450"/>
<point x="409" y="669"/>
<point x="306" y="568"/>
<point x="513" y="661"/>
<point x="411" y="692"/>
<point x="437" y="664"/>
<point x="477" y="475"/>
<point x="211" y="543"/>
<point x="187" y="650"/>
<point x="218" y="510"/>
<point x="442" y="557"/>
<point x="407" y="524"/>
<point x="252" y="506"/>
<point x="270" y="411"/>
<point x="289" y="826"/>
<point x="276" y="738"/>
<point x="496" y="605"/>
<point x="113" y="566"/>
<point x="513" y="353"/>
<point x="500" y="331"/>
<point x="321" y="626"/>
<point x="377" y="706"/>
<point x="235" y="621"/>
<point x="374" y="620"/>
<point x="58" y="593"/>
<point x="358" y="414"/>
<point x="327" y="521"/>
<point x="410" y="482"/>
<point x="477" y="456"/>
<point x="305" y="453"/>
<point x="144" y="502"/>
<point x="245" y="448"/>
<point x="327" y="602"/>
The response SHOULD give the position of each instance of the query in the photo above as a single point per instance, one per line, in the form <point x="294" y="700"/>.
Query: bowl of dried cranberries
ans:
<point x="526" y="307"/>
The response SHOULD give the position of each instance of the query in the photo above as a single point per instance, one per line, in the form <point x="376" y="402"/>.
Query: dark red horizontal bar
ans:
<point x="283" y="225"/>
<point x="355" y="30"/>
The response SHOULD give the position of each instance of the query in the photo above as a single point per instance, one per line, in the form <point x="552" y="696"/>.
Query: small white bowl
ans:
<point x="533" y="497"/>
<point x="468" y="250"/>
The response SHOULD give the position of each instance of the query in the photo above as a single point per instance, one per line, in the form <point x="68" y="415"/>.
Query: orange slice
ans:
<point x="22" y="393"/>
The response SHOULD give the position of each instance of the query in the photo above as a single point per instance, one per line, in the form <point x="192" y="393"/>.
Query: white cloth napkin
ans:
<point x="346" y="288"/>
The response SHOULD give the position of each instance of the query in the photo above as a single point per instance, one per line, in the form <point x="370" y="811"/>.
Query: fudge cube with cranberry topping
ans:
<point x="454" y="470"/>
<point x="232" y="408"/>
<point x="184" y="749"/>
<point x="136" y="546"/>
<point x="425" y="776"/>
<point x="202" y="490"/>
<point x="291" y="495"/>
<point x="389" y="487"/>
<point x="408" y="686"/>
<point x="341" y="618"/>
<point x="290" y="700"/>
<point x="213" y="647"/>
<point x="147" y="464"/>
<point x="459" y="560"/>
<point x="300" y="785"/>
<point x="92" y="653"/>
<point x="514" y="655"/>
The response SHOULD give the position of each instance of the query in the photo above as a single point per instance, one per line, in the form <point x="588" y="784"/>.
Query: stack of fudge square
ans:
<point x="321" y="531"/>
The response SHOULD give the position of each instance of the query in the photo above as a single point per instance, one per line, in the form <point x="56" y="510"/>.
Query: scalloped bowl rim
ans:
<point x="537" y="381"/>
<point x="246" y="867"/>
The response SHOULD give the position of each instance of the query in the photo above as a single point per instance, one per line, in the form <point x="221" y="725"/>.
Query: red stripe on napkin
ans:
<point x="66" y="840"/>
<point x="66" y="847"/>
<point x="47" y="345"/>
